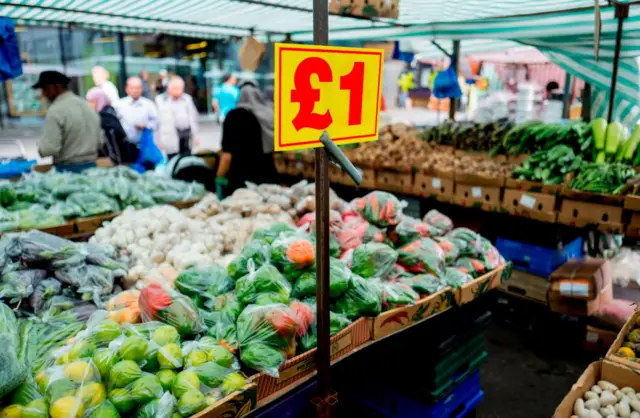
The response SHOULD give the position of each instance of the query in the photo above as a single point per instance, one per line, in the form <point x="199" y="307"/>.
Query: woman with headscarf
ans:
<point x="247" y="141"/>
<point x="117" y="145"/>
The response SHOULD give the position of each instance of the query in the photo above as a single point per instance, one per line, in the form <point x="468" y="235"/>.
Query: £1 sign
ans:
<point x="321" y="88"/>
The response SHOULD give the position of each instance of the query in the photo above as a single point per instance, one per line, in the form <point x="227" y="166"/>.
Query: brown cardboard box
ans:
<point x="619" y="340"/>
<point x="617" y="374"/>
<point x="477" y="180"/>
<point x="598" y="339"/>
<point x="532" y="186"/>
<point x="394" y="182"/>
<point x="483" y="284"/>
<point x="633" y="229"/>
<point x="632" y="202"/>
<point x="581" y="279"/>
<point x="234" y="405"/>
<point x="481" y="197"/>
<point x="433" y="187"/>
<point x="539" y="206"/>
<point x="578" y="307"/>
<point x="599" y="198"/>
<point x="387" y="47"/>
<point x="580" y="214"/>
<point x="250" y="54"/>
<point x="368" y="178"/>
<point x="526" y="286"/>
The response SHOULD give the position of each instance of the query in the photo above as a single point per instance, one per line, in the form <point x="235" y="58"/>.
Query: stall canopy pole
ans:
<point x="456" y="60"/>
<point x="123" y="63"/>
<point x="586" y="102"/>
<point x="323" y="356"/>
<point x="566" y="98"/>
<point x="622" y="12"/>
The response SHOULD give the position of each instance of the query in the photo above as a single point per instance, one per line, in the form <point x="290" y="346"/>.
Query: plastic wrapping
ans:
<point x="451" y="251"/>
<point x="361" y="299"/>
<point x="124" y="307"/>
<point x="410" y="229"/>
<point x="382" y="209"/>
<point x="307" y="333"/>
<point x="373" y="260"/>
<point x="424" y="284"/>
<point x="456" y="277"/>
<point x="160" y="303"/>
<point x="263" y="286"/>
<point x="293" y="254"/>
<point x="267" y="337"/>
<point x="436" y="219"/>
<point x="356" y="232"/>
<point x="256" y="250"/>
<point x="204" y="283"/>
<point x="17" y="285"/>
<point x="422" y="256"/>
<point x="396" y="294"/>
<point x="471" y="266"/>
<point x="339" y="277"/>
<point x="92" y="203"/>
<point x="270" y="234"/>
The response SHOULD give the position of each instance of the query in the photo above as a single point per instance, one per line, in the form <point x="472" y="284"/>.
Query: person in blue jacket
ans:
<point x="225" y="97"/>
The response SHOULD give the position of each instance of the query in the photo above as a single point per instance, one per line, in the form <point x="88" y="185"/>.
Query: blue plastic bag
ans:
<point x="446" y="84"/>
<point x="149" y="154"/>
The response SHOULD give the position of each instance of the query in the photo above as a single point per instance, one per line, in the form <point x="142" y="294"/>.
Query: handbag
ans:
<point x="446" y="85"/>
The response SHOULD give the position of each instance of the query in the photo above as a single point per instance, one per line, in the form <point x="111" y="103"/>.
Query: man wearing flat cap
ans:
<point x="71" y="129"/>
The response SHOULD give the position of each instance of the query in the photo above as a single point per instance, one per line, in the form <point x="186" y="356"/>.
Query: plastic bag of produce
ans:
<point x="410" y="229"/>
<point x="451" y="251"/>
<point x="43" y="291"/>
<point x="373" y="260"/>
<point x="160" y="303"/>
<point x="339" y="277"/>
<point x="308" y="341"/>
<point x="471" y="266"/>
<point x="292" y="254"/>
<point x="424" y="284"/>
<point x="263" y="286"/>
<point x="207" y="349"/>
<point x="124" y="308"/>
<point x="268" y="235"/>
<point x="436" y="219"/>
<point x="361" y="299"/>
<point x="422" y="256"/>
<point x="12" y="371"/>
<point x="267" y="337"/>
<point x="202" y="284"/>
<point x="468" y="242"/>
<point x="258" y="251"/>
<point x="103" y="255"/>
<point x="396" y="294"/>
<point x="38" y="246"/>
<point x="305" y="316"/>
<point x="356" y="232"/>
<point x="93" y="203"/>
<point x="18" y="285"/>
<point x="382" y="209"/>
<point x="456" y="277"/>
<point x="67" y="302"/>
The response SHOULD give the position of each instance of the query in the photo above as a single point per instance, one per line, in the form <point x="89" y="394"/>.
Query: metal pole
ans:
<point x="456" y="59"/>
<point x="622" y="12"/>
<point x="586" y="102"/>
<point x="566" y="98"/>
<point x="323" y="354"/>
<point x="63" y="55"/>
<point x="123" y="63"/>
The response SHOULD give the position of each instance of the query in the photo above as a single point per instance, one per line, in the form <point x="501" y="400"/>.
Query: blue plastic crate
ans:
<point x="387" y="403"/>
<point x="538" y="260"/>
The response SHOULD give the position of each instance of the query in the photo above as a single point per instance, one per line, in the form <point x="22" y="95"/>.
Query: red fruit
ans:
<point x="153" y="299"/>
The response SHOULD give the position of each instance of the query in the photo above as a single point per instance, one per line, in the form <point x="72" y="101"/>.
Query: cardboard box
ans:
<point x="299" y="367"/>
<point x="250" y="54"/>
<point x="394" y="182"/>
<point x="295" y="168"/>
<point x="368" y="178"/>
<point x="580" y="214"/>
<point x="581" y="278"/>
<point x="598" y="339"/>
<point x="477" y="180"/>
<point x="532" y="186"/>
<point x="392" y="321"/>
<point x="309" y="170"/>
<point x="387" y="47"/>
<point x="481" y="197"/>
<point x="599" y="198"/>
<point x="538" y="206"/>
<point x="483" y="284"/>
<point x="633" y="229"/>
<point x="617" y="374"/>
<point x="234" y="405"/>
<point x="281" y="166"/>
<point x="441" y="189"/>
<point x="526" y="286"/>
<point x="365" y="8"/>
<point x="619" y="340"/>
<point x="632" y="202"/>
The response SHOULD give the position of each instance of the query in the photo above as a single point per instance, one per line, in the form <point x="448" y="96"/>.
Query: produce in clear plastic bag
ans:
<point x="356" y="232"/>
<point x="424" y="284"/>
<point x="12" y="371"/>
<point x="422" y="256"/>
<point x="43" y="291"/>
<point x="17" y="285"/>
<point x="339" y="277"/>
<point x="159" y="303"/>
<point x="471" y="266"/>
<point x="124" y="307"/>
<point x="468" y="242"/>
<point x="456" y="278"/>
<point x="382" y="209"/>
<point x="490" y="256"/>
<point x="292" y="254"/>
<point x="396" y="294"/>
<point x="201" y="284"/>
<point x="373" y="260"/>
<point x="361" y="299"/>
<point x="410" y="229"/>
<point x="304" y="315"/>
<point x="436" y="219"/>
<point x="451" y="251"/>
<point x="258" y="251"/>
<point x="93" y="203"/>
<point x="264" y="284"/>
<point x="268" y="235"/>
<point x="305" y="312"/>
<point x="267" y="337"/>
<point x="36" y="246"/>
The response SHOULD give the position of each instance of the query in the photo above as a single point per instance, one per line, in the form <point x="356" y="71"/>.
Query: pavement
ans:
<point x="210" y="136"/>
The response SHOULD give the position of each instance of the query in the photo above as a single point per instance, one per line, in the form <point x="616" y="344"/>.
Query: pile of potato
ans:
<point x="605" y="400"/>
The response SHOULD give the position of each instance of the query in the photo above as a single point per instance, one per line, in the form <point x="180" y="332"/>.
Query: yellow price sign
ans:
<point x="322" y="88"/>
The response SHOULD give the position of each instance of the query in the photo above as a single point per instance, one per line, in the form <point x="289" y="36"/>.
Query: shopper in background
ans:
<point x="101" y="79"/>
<point x="225" y="96"/>
<point x="71" y="128"/>
<point x="146" y="87"/>
<point x="137" y="112"/>
<point x="117" y="145"/>
<point x="247" y="141"/>
<point x="178" y="119"/>
<point x="161" y="82"/>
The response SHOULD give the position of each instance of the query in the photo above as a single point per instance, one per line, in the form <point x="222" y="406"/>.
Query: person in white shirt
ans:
<point x="178" y="119"/>
<point x="136" y="112"/>
<point x="100" y="77"/>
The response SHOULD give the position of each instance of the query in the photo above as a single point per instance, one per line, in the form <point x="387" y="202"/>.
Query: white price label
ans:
<point x="574" y="289"/>
<point x="436" y="183"/>
<point x="527" y="201"/>
<point x="476" y="192"/>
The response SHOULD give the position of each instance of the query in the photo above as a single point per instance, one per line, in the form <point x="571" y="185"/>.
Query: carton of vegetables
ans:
<point x="626" y="348"/>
